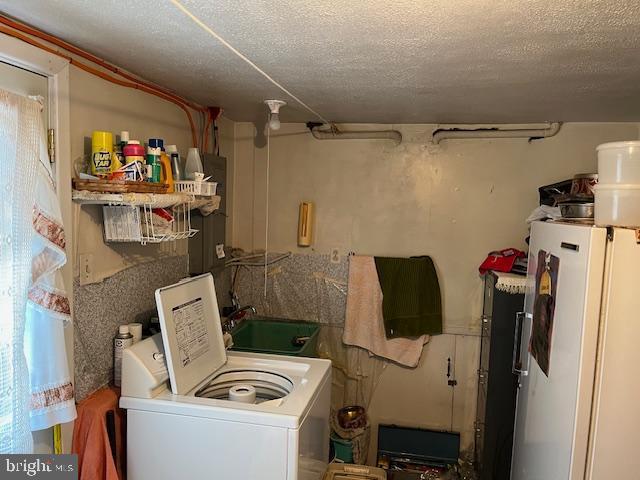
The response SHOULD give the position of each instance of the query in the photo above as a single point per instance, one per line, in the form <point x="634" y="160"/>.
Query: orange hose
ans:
<point x="135" y="85"/>
<point x="92" y="58"/>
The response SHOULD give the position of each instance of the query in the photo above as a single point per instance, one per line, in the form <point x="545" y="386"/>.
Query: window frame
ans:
<point x="56" y="69"/>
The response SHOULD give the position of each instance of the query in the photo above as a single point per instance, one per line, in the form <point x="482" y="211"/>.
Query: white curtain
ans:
<point x="35" y="386"/>
<point x="48" y="309"/>
<point x="19" y="151"/>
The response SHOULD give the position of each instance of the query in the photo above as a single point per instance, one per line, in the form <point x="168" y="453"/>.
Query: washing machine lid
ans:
<point x="191" y="331"/>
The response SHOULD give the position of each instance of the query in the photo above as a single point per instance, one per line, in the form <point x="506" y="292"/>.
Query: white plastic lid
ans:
<point x="124" y="136"/>
<point x="628" y="144"/>
<point x="133" y="142"/>
<point x="191" y="331"/>
<point x="171" y="149"/>
<point x="123" y="329"/>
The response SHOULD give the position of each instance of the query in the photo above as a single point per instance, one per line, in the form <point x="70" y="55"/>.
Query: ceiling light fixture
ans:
<point x="274" y="113"/>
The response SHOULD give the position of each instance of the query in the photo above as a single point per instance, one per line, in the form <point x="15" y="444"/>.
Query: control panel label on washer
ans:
<point x="191" y="330"/>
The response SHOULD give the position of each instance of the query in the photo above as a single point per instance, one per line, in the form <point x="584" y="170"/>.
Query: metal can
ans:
<point x="101" y="153"/>
<point x="153" y="161"/>
<point x="584" y="183"/>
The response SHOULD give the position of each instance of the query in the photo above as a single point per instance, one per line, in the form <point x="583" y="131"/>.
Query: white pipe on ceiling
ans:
<point x="496" y="132"/>
<point x="333" y="133"/>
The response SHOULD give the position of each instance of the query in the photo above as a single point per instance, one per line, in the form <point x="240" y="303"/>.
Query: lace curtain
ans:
<point x="19" y="151"/>
<point x="35" y="385"/>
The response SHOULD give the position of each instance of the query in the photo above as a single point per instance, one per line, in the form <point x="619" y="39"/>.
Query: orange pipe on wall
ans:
<point x="92" y="58"/>
<point x="136" y="84"/>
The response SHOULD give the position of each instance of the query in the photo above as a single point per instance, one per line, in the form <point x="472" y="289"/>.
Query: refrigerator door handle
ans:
<point x="517" y="365"/>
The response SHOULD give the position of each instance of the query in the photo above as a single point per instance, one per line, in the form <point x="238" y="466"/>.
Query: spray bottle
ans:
<point x="123" y="340"/>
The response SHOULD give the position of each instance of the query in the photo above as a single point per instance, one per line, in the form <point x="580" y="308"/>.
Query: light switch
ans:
<point x="86" y="268"/>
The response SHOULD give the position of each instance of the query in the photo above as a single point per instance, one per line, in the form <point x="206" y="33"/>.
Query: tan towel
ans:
<point x="364" y="324"/>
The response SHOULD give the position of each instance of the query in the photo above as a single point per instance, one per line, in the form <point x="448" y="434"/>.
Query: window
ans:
<point x="24" y="70"/>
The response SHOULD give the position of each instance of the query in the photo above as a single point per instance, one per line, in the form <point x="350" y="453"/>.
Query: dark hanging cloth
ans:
<point x="411" y="304"/>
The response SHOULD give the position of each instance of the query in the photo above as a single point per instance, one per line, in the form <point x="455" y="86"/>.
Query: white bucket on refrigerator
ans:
<point x="619" y="162"/>
<point x="617" y="205"/>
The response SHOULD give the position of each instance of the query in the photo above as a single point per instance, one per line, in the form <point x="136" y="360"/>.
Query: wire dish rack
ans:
<point x="147" y="224"/>
<point x="144" y="218"/>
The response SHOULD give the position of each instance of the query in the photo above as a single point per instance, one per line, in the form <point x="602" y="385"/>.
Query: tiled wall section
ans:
<point x="100" y="308"/>
<point x="303" y="287"/>
<point x="310" y="287"/>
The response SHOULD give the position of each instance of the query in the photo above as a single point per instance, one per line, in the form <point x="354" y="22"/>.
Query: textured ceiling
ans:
<point x="406" y="61"/>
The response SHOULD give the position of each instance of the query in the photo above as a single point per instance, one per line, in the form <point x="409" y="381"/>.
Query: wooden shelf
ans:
<point x="152" y="200"/>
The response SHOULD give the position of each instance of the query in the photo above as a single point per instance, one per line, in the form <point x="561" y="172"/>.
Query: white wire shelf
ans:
<point x="138" y="217"/>
<point x="128" y="224"/>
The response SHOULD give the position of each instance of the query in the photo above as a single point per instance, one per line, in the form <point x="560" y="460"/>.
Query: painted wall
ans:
<point x="455" y="202"/>
<point x="96" y="104"/>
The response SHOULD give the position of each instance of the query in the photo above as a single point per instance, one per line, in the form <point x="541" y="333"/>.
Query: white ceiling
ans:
<point x="378" y="61"/>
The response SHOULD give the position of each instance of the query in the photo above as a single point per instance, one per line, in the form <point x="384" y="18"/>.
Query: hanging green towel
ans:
<point x="411" y="304"/>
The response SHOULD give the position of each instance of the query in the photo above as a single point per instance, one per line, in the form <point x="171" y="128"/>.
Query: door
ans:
<point x="552" y="413"/>
<point x="616" y="417"/>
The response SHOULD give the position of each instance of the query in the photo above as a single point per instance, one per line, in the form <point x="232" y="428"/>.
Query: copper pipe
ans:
<point x="106" y="76"/>
<point x="92" y="58"/>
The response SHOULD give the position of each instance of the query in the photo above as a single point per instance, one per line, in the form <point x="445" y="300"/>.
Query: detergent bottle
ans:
<point x="166" y="176"/>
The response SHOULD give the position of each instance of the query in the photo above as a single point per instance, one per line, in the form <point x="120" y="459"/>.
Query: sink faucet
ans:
<point x="235" y="318"/>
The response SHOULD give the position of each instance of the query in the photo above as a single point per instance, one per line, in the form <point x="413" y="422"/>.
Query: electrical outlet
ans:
<point x="335" y="255"/>
<point x="86" y="268"/>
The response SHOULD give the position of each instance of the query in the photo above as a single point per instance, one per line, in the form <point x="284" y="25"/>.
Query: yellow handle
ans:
<point x="166" y="175"/>
<point x="57" y="439"/>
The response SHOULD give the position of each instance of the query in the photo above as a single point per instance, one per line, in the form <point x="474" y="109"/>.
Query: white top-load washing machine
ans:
<point x="227" y="415"/>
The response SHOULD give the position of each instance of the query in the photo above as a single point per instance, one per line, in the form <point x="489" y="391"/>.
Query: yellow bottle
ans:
<point x="101" y="153"/>
<point x="166" y="175"/>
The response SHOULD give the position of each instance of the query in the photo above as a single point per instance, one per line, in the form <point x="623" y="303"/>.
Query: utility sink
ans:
<point x="276" y="336"/>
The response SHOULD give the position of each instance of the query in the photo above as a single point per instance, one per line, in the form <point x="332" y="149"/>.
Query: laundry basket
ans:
<point x="344" y="471"/>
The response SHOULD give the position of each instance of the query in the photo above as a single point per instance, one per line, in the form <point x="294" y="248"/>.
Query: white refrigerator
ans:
<point x="581" y="324"/>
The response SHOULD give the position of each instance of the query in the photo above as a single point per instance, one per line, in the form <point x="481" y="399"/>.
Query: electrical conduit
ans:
<point x="493" y="132"/>
<point x="333" y="133"/>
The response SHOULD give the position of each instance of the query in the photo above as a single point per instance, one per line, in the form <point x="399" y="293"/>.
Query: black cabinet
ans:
<point x="497" y="386"/>
<point x="211" y="228"/>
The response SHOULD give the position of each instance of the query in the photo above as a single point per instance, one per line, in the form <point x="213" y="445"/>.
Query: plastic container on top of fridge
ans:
<point x="617" y="205"/>
<point x="619" y="163"/>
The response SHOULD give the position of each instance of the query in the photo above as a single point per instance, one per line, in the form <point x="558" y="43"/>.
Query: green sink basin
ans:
<point x="268" y="335"/>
